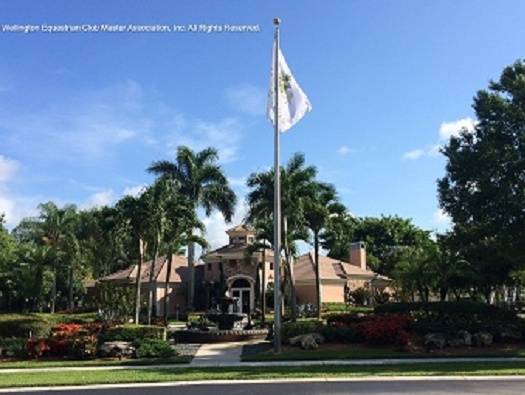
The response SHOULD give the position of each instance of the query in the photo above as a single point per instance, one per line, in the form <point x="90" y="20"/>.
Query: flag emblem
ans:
<point x="292" y="102"/>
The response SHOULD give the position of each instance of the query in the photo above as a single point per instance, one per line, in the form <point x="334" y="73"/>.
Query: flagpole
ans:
<point x="277" y="201"/>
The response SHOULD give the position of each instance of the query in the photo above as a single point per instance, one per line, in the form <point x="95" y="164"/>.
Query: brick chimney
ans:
<point x="358" y="254"/>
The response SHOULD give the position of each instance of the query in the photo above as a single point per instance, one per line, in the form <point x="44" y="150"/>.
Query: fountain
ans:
<point x="225" y="320"/>
<point x="226" y="330"/>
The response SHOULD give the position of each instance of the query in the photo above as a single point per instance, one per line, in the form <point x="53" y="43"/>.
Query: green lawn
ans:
<point x="296" y="354"/>
<point x="35" y="363"/>
<point x="30" y="379"/>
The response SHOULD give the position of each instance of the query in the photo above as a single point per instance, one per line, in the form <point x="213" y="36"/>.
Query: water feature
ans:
<point x="226" y="330"/>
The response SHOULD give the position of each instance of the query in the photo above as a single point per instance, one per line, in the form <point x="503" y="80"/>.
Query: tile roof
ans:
<point x="179" y="269"/>
<point x="329" y="269"/>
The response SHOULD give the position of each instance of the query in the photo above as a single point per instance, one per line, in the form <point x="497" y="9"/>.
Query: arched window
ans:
<point x="241" y="283"/>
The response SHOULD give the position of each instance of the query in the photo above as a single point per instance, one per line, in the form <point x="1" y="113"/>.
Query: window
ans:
<point x="271" y="265"/>
<point x="208" y="266"/>
<point x="232" y="263"/>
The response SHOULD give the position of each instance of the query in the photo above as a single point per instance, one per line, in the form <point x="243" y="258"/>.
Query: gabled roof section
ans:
<point x="329" y="269"/>
<point x="242" y="228"/>
<point x="179" y="269"/>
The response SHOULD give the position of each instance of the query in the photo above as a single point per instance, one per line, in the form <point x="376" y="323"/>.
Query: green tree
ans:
<point x="318" y="211"/>
<point x="54" y="226"/>
<point x="8" y="252"/>
<point x="203" y="182"/>
<point x="298" y="185"/>
<point x="483" y="189"/>
<point x="383" y="236"/>
<point x="134" y="219"/>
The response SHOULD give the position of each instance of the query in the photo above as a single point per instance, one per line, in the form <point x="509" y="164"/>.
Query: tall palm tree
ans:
<point x="54" y="226"/>
<point x="134" y="217"/>
<point x="156" y="198"/>
<point x="203" y="182"/>
<point x="297" y="186"/>
<point x="317" y="213"/>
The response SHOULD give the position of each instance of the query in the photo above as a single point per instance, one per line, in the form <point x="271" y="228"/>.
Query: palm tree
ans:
<point x="182" y="219"/>
<point x="134" y="217"/>
<point x="317" y="213"/>
<point x="156" y="198"/>
<point x="297" y="186"/>
<point x="203" y="182"/>
<point x="55" y="225"/>
<point x="40" y="259"/>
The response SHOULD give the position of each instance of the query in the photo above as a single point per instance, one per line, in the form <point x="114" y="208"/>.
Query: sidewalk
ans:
<point x="219" y="354"/>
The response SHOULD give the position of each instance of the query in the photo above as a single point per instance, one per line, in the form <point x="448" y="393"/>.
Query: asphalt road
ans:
<point x="376" y="386"/>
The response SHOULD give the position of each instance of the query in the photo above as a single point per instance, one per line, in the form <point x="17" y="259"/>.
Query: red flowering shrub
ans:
<point x="67" y="340"/>
<point x="384" y="330"/>
<point x="36" y="348"/>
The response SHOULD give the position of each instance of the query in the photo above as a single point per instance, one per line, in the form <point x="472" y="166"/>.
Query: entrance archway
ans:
<point x="242" y="291"/>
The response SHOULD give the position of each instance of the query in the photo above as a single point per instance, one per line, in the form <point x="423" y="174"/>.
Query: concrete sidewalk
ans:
<point x="219" y="354"/>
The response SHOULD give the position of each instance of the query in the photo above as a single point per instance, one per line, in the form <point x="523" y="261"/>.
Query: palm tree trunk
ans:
<point x="191" y="274"/>
<point x="317" y="278"/>
<point x="152" y="285"/>
<point x="71" y="279"/>
<point x="137" y="282"/>
<point x="54" y="290"/>
<point x="263" y="286"/>
<point x="166" y="285"/>
<point x="289" y="261"/>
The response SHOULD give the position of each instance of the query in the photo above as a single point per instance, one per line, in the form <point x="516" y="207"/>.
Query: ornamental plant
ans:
<point x="384" y="330"/>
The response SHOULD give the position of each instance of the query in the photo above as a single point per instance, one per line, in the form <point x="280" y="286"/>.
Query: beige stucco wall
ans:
<point x="305" y="293"/>
<point x="330" y="293"/>
<point x="176" y="298"/>
<point x="333" y="293"/>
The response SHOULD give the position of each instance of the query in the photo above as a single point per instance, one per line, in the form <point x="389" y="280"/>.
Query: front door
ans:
<point x="242" y="293"/>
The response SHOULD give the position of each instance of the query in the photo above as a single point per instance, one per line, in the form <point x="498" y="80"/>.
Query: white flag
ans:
<point x="293" y="102"/>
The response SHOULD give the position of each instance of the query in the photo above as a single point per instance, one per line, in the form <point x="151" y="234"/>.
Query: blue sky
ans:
<point x="82" y="115"/>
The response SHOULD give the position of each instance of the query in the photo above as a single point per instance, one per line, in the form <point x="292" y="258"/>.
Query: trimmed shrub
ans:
<point x="345" y="318"/>
<point x="131" y="333"/>
<point x="13" y="347"/>
<point x="462" y="309"/>
<point x="340" y="333"/>
<point x="24" y="326"/>
<point x="292" y="329"/>
<point x="449" y="317"/>
<point x="153" y="348"/>
<point x="384" y="330"/>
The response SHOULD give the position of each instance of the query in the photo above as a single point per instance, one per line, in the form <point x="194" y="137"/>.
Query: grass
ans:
<point x="295" y="354"/>
<point x="36" y="363"/>
<point x="31" y="379"/>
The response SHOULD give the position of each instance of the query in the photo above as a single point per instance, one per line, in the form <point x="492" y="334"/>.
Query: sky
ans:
<point x="84" y="112"/>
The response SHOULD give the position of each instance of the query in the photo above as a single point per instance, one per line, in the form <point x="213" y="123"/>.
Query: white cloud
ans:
<point x="248" y="99"/>
<point x="224" y="135"/>
<point x="8" y="167"/>
<point x="216" y="226"/>
<point x="446" y="131"/>
<point x="85" y="127"/>
<point x="344" y="150"/>
<point x="440" y="217"/>
<point x="134" y="191"/>
<point x="99" y="199"/>
<point x="414" y="154"/>
<point x="449" y="129"/>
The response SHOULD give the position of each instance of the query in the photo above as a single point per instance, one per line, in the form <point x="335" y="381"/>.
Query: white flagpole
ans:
<point x="277" y="202"/>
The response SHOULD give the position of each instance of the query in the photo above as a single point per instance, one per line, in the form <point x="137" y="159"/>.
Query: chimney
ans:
<point x="358" y="254"/>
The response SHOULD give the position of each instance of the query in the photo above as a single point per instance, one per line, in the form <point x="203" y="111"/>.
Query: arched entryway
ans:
<point x="241" y="288"/>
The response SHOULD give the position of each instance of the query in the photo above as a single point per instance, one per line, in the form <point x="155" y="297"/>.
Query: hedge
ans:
<point x="292" y="329"/>
<point x="460" y="309"/>
<point x="133" y="333"/>
<point x="24" y="325"/>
